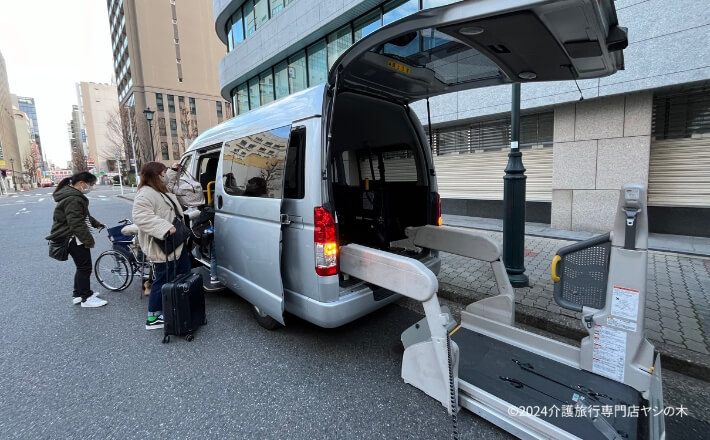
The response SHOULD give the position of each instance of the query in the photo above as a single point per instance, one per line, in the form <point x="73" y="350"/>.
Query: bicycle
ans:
<point x="116" y="268"/>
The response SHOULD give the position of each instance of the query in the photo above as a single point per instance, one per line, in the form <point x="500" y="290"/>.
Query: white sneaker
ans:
<point x="94" y="301"/>
<point x="77" y="299"/>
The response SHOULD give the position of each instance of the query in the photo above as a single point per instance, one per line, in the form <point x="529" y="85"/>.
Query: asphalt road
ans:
<point x="68" y="372"/>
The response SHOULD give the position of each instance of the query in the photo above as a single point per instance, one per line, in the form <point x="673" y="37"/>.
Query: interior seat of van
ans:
<point x="379" y="176"/>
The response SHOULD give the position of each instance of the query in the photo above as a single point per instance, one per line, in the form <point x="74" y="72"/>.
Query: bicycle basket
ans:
<point x="583" y="272"/>
<point x="116" y="236"/>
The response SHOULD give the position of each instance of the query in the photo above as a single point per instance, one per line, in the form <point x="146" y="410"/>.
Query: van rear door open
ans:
<point x="479" y="43"/>
<point x="249" y="192"/>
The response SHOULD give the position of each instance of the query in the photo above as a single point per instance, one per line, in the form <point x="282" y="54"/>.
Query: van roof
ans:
<point x="279" y="113"/>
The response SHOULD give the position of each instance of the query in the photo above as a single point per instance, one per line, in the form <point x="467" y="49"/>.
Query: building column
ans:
<point x="599" y="145"/>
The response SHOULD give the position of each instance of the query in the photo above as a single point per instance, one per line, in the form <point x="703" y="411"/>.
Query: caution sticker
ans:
<point x="625" y="303"/>
<point x="399" y="67"/>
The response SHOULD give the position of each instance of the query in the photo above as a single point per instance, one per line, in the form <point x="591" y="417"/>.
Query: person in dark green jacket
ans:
<point x="72" y="219"/>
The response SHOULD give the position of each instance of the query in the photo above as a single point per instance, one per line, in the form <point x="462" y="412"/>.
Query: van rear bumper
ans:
<point x="334" y="314"/>
<point x="352" y="304"/>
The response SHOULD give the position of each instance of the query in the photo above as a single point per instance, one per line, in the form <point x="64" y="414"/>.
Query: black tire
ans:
<point x="265" y="320"/>
<point x="113" y="271"/>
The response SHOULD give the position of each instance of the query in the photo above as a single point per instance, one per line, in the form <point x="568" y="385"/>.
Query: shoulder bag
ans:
<point x="59" y="248"/>
<point x="182" y="233"/>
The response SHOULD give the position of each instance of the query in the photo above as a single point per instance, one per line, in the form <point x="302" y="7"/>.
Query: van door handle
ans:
<point x="285" y="220"/>
<point x="219" y="202"/>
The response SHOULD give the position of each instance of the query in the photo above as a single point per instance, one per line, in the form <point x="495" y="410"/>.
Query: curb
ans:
<point x="673" y="358"/>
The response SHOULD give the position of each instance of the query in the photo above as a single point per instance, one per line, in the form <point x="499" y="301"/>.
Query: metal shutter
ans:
<point x="480" y="175"/>
<point x="679" y="172"/>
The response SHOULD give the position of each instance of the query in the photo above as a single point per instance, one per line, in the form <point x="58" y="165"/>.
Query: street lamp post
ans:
<point x="514" y="202"/>
<point x="149" y="117"/>
<point x="12" y="166"/>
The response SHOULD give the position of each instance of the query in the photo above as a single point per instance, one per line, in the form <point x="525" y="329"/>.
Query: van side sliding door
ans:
<point x="248" y="218"/>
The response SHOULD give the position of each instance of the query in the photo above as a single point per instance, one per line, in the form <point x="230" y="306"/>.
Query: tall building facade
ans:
<point x="101" y="126"/>
<point x="79" y="156"/>
<point x="23" y="132"/>
<point x="649" y="123"/>
<point x="9" y="151"/>
<point x="27" y="105"/>
<point x="165" y="59"/>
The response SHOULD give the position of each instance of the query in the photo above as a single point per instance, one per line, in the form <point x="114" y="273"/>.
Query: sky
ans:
<point x="49" y="46"/>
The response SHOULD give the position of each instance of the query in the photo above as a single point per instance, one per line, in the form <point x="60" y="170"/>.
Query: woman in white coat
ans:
<point x="153" y="213"/>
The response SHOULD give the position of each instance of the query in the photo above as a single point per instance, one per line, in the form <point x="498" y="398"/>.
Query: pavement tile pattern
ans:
<point x="677" y="302"/>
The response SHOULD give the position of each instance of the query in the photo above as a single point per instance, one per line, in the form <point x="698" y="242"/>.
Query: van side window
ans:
<point x="294" y="180"/>
<point x="253" y="166"/>
<point x="186" y="161"/>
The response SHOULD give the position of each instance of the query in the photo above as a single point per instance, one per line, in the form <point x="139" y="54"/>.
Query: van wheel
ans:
<point x="265" y="320"/>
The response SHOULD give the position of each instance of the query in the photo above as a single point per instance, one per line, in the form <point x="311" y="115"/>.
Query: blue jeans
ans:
<point x="162" y="272"/>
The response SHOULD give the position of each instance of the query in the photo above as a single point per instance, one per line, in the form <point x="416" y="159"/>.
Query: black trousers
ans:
<point x="82" y="278"/>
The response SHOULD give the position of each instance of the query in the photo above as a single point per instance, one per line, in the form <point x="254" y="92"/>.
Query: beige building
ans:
<point x="9" y="152"/>
<point x="165" y="58"/>
<point x="100" y="120"/>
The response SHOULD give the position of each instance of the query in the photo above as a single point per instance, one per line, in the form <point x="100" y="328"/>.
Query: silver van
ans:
<point x="349" y="162"/>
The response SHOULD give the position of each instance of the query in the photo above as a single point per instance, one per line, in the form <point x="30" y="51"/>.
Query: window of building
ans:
<point x="396" y="9"/>
<point x="261" y="12"/>
<point x="317" y="64"/>
<point x="181" y="102"/>
<point x="171" y="103"/>
<point x="242" y="98"/>
<point x="258" y="178"/>
<point x="249" y="18"/>
<point x="281" y="80"/>
<point x="266" y="87"/>
<point x="228" y="108"/>
<point x="159" y="101"/>
<point x="278" y="5"/>
<point x="683" y="114"/>
<point x="193" y="107"/>
<point x="173" y="127"/>
<point x="436" y="3"/>
<point x="161" y="125"/>
<point x="297" y="72"/>
<point x="367" y="24"/>
<point x="176" y="150"/>
<point x="164" y="151"/>
<point x="237" y="28"/>
<point x="219" y="110"/>
<point x="254" y="101"/>
<point x="338" y="42"/>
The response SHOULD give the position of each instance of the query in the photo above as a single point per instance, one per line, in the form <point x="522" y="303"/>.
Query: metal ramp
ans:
<point x="529" y="385"/>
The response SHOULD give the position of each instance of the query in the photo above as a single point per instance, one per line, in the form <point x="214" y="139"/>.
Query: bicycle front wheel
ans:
<point x="113" y="271"/>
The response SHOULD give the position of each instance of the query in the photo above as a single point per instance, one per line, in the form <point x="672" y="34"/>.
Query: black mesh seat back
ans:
<point x="583" y="272"/>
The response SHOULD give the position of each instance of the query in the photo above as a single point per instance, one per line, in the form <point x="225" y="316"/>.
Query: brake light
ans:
<point x="437" y="210"/>
<point x="326" y="246"/>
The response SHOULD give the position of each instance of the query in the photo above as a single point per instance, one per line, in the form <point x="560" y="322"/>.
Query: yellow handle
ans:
<point x="553" y="268"/>
<point x="210" y="187"/>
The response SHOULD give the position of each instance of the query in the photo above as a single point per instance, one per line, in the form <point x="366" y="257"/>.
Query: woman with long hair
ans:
<point x="154" y="209"/>
<point x="72" y="221"/>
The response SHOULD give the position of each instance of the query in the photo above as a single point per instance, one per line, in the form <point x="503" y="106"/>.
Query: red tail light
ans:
<point x="437" y="210"/>
<point x="326" y="246"/>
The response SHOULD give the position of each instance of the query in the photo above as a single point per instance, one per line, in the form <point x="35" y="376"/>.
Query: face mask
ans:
<point x="86" y="190"/>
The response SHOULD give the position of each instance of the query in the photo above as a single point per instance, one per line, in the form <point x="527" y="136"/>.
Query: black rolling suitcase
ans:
<point x="183" y="306"/>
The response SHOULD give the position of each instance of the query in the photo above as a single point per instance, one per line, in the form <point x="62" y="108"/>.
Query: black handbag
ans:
<point x="182" y="234"/>
<point x="59" y="249"/>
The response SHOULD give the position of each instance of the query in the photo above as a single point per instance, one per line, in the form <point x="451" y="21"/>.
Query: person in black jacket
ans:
<point x="72" y="219"/>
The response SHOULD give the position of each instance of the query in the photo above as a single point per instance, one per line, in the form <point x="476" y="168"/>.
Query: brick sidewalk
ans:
<point x="678" y="300"/>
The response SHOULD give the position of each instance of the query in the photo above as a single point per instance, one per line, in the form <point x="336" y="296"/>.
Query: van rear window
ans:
<point x="390" y="166"/>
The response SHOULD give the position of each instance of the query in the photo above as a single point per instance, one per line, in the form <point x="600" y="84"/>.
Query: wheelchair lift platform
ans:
<point x="532" y="386"/>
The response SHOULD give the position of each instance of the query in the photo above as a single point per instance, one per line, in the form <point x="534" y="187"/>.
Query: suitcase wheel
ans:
<point x="189" y="337"/>
<point x="166" y="339"/>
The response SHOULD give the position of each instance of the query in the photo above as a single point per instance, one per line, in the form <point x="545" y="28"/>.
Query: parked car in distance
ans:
<point x="46" y="182"/>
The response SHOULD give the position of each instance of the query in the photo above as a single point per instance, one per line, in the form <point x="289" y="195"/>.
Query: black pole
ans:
<point x="514" y="202"/>
<point x="150" y="130"/>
